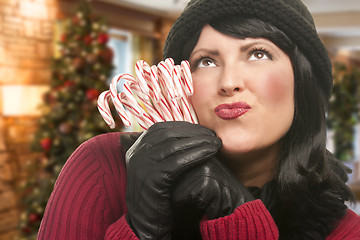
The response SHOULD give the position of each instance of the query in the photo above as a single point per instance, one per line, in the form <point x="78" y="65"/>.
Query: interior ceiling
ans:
<point x="337" y="21"/>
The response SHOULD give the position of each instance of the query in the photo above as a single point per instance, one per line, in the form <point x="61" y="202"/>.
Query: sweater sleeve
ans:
<point x="348" y="228"/>
<point x="88" y="200"/>
<point x="249" y="221"/>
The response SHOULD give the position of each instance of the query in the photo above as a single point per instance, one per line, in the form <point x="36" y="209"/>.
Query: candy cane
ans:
<point x="139" y="119"/>
<point x="165" y="80"/>
<point x="186" y="78"/>
<point x="153" y="81"/>
<point x="187" y="85"/>
<point x="154" y="114"/>
<point x="159" y="101"/>
<point x="116" y="99"/>
<point x="104" y="109"/>
<point x="141" y="67"/>
<point x="177" y="81"/>
<point x="167" y="83"/>
<point x="163" y="91"/>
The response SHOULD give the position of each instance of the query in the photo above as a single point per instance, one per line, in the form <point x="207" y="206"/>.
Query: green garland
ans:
<point x="344" y="109"/>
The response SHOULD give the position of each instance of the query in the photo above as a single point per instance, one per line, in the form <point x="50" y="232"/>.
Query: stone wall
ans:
<point x="26" y="41"/>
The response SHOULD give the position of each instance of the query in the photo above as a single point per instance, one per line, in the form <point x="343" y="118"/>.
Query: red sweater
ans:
<point x="88" y="202"/>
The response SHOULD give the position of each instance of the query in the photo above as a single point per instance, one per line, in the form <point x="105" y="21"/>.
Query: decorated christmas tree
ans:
<point x="70" y="116"/>
<point x="344" y="112"/>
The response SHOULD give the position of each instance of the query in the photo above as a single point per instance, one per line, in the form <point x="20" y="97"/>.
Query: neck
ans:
<point x="253" y="169"/>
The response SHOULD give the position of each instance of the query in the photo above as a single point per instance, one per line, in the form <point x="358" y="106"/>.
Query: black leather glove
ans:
<point x="155" y="161"/>
<point x="208" y="188"/>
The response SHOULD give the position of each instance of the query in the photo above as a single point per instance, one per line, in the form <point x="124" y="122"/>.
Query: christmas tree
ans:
<point x="70" y="116"/>
<point x="344" y="111"/>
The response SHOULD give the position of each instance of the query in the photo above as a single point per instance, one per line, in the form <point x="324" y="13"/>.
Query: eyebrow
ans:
<point x="251" y="44"/>
<point x="211" y="52"/>
<point x="242" y="48"/>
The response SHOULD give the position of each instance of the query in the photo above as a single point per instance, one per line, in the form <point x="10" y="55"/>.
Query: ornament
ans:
<point x="79" y="96"/>
<point x="104" y="28"/>
<point x="97" y="66"/>
<point x="96" y="50"/>
<point x="64" y="51"/>
<point x="67" y="60"/>
<point x="94" y="75"/>
<point x="45" y="144"/>
<point x="91" y="58"/>
<point x="65" y="128"/>
<point x="68" y="84"/>
<point x="48" y="97"/>
<point x="88" y="39"/>
<point x="75" y="20"/>
<point x="78" y="63"/>
<point x="103" y="38"/>
<point x="95" y="26"/>
<point x="77" y="37"/>
<point x="107" y="55"/>
<point x="79" y="14"/>
<point x="33" y="218"/>
<point x="92" y="94"/>
<point x="26" y="230"/>
<point x="103" y="77"/>
<point x="57" y="169"/>
<point x="63" y="38"/>
<point x="60" y="76"/>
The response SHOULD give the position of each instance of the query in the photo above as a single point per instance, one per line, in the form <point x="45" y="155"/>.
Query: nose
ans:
<point x="231" y="81"/>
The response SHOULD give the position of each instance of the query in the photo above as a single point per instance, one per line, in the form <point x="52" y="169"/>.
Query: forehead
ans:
<point x="212" y="38"/>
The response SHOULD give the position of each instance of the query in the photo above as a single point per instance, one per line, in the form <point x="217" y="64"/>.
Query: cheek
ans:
<point x="277" y="87"/>
<point x="201" y="86"/>
<point x="204" y="91"/>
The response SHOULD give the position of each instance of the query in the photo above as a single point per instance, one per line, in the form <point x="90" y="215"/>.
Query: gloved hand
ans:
<point x="155" y="161"/>
<point x="208" y="188"/>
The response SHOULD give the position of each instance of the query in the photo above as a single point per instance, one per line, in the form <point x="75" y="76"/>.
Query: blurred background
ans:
<point x="57" y="56"/>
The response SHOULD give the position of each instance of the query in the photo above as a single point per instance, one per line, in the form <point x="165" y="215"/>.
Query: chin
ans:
<point x="234" y="147"/>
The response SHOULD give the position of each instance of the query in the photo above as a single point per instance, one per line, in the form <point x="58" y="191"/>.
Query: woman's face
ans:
<point x="243" y="90"/>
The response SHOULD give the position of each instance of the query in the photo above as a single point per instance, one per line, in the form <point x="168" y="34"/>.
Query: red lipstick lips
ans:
<point x="232" y="111"/>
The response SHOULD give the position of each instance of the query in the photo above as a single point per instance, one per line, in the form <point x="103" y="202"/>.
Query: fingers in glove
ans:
<point x="160" y="132"/>
<point x="175" y="147"/>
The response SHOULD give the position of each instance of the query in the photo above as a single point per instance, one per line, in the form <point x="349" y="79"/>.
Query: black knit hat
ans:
<point x="290" y="16"/>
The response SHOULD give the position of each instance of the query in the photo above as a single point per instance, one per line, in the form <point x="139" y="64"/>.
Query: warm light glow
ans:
<point x="22" y="100"/>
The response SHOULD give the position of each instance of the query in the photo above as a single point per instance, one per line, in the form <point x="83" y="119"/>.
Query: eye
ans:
<point x="205" y="62"/>
<point x="259" y="54"/>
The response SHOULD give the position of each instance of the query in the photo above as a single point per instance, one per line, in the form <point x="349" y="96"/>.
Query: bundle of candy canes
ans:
<point x="157" y="94"/>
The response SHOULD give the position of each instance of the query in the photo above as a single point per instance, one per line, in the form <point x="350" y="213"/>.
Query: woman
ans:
<point x="255" y="168"/>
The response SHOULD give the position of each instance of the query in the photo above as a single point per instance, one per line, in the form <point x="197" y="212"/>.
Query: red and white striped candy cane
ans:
<point x="167" y="84"/>
<point x="187" y="84"/>
<point x="186" y="78"/>
<point x="153" y="83"/>
<point x="138" y="119"/>
<point x="157" y="107"/>
<point x="163" y="90"/>
<point x="142" y="70"/>
<point x="116" y="99"/>
<point x="176" y="77"/>
<point x="159" y="101"/>
<point x="183" y="101"/>
<point x="165" y="73"/>
<point x="153" y="113"/>
<point x="128" y="99"/>
<point x="104" y="109"/>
